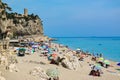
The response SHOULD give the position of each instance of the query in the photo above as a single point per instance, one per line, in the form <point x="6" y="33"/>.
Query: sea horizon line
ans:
<point x="86" y="37"/>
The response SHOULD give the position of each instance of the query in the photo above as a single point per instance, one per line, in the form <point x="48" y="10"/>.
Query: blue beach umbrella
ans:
<point x="31" y="43"/>
<point x="35" y="46"/>
<point x="118" y="64"/>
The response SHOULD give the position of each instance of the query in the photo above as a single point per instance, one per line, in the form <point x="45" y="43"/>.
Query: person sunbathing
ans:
<point x="94" y="72"/>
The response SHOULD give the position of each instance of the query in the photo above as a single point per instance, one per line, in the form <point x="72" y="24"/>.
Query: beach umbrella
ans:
<point x="49" y="50"/>
<point x="50" y="57"/>
<point x="22" y="49"/>
<point x="31" y="43"/>
<point x="54" y="55"/>
<point x="64" y="48"/>
<point x="34" y="46"/>
<point x="32" y="51"/>
<point x="107" y="62"/>
<point x="43" y="46"/>
<point x="118" y="64"/>
<point x="101" y="59"/>
<point x="17" y="48"/>
<point x="53" y="72"/>
<point x="78" y="49"/>
<point x="97" y="67"/>
<point x="44" y="51"/>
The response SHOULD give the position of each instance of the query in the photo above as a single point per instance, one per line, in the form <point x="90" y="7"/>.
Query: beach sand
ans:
<point x="28" y="62"/>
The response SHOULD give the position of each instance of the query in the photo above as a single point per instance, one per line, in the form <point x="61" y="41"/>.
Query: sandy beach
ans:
<point x="28" y="62"/>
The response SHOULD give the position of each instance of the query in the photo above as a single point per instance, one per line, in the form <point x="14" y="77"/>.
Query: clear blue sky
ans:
<point x="74" y="17"/>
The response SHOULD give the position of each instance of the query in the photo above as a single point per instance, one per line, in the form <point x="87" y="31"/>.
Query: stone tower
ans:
<point x="25" y="12"/>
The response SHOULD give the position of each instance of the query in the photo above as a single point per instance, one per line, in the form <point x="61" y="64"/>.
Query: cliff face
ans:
<point x="14" y="24"/>
<point x="22" y="27"/>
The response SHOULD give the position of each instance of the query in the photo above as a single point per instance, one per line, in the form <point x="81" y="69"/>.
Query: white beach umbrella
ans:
<point x="78" y="49"/>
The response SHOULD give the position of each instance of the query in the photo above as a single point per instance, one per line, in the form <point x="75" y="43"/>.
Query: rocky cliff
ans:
<point x="13" y="24"/>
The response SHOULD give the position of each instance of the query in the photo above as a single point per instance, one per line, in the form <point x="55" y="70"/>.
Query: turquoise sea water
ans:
<point x="108" y="46"/>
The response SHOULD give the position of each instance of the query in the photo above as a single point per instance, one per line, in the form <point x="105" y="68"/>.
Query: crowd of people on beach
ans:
<point x="59" y="54"/>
